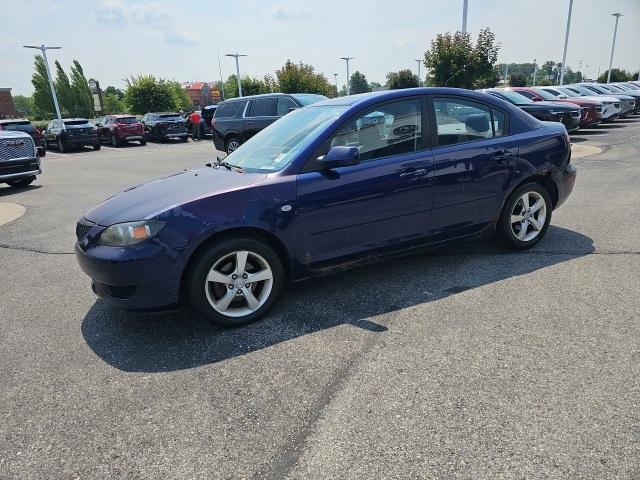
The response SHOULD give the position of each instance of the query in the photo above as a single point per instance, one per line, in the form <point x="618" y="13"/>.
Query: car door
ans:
<point x="260" y="113"/>
<point x="473" y="157"/>
<point x="103" y="130"/>
<point x="382" y="203"/>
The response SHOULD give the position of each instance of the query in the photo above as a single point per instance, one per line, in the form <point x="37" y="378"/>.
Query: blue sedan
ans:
<point x="341" y="182"/>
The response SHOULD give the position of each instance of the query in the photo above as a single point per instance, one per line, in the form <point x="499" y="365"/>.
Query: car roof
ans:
<point x="122" y="115"/>
<point x="262" y="95"/>
<point x="73" y="119"/>
<point x="4" y="121"/>
<point x="372" y="97"/>
<point x="163" y="113"/>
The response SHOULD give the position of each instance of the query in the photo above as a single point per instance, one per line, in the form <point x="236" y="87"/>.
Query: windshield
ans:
<point x="126" y="120"/>
<point x="546" y="95"/>
<point x="568" y="92"/>
<point x="274" y="147"/>
<point x="596" y="89"/>
<point x="582" y="90"/>
<point x="307" y="99"/>
<point x="76" y="122"/>
<point x="514" y="97"/>
<point x="630" y="86"/>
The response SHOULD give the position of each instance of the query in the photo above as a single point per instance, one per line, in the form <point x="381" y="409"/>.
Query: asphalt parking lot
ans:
<point x="466" y="362"/>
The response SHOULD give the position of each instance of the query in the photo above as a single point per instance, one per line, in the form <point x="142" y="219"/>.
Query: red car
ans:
<point x="120" y="129"/>
<point x="590" y="110"/>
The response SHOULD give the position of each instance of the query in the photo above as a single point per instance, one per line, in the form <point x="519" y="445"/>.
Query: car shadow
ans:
<point x="166" y="342"/>
<point x="6" y="190"/>
<point x="600" y="131"/>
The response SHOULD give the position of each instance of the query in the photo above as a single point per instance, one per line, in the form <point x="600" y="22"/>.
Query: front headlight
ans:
<point x="129" y="233"/>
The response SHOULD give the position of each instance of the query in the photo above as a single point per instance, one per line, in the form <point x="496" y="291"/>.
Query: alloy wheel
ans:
<point x="232" y="145"/>
<point x="528" y="216"/>
<point x="239" y="283"/>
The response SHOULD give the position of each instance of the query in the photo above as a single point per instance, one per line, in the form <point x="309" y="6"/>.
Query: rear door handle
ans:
<point x="502" y="156"/>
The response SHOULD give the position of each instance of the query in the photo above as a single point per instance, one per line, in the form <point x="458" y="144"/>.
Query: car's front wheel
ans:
<point x="232" y="144"/>
<point x="21" y="182"/>
<point x="61" y="147"/>
<point x="525" y="217"/>
<point x="236" y="281"/>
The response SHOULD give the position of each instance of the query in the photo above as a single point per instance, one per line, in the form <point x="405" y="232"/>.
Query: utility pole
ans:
<point x="419" y="78"/>
<point x="44" y="49"/>
<point x="535" y="71"/>
<point x="346" y="59"/>
<point x="613" y="45"/>
<point x="335" y="79"/>
<point x="566" y="41"/>
<point x="237" y="56"/>
<point x="580" y="69"/>
<point x="221" y="81"/>
<point x="506" y="72"/>
<point x="465" y="6"/>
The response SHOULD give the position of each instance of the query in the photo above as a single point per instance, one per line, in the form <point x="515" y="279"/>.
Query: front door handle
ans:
<point x="502" y="156"/>
<point x="414" y="173"/>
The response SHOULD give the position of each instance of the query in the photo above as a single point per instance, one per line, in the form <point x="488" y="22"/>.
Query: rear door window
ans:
<point x="263" y="107"/>
<point x="461" y="121"/>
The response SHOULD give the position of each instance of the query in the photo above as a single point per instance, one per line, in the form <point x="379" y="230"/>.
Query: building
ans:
<point x="7" y="107"/>
<point x="199" y="93"/>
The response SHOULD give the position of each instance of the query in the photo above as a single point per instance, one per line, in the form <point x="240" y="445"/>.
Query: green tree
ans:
<point x="113" y="91"/>
<point x="302" y="78"/>
<point x="254" y="86"/>
<point x="547" y="69"/>
<point x="84" y="106"/>
<point x="65" y="93"/>
<point x="145" y="93"/>
<point x="179" y="98"/>
<point x="518" y="80"/>
<point x="454" y="61"/>
<point x="24" y="105"/>
<point x="374" y="85"/>
<point x="42" y="98"/>
<point x="113" y="104"/>
<point x="402" y="79"/>
<point x="358" y="83"/>
<point x="617" y="75"/>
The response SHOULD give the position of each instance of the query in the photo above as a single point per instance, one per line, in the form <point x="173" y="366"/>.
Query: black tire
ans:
<point x="61" y="147"/>
<point x="185" y="139"/>
<point x="115" y="141"/>
<point x="198" y="287"/>
<point x="44" y="149"/>
<point x="156" y="136"/>
<point x="143" y="141"/>
<point x="97" y="146"/>
<point x="231" y="144"/>
<point x="21" y="182"/>
<point x="505" y="233"/>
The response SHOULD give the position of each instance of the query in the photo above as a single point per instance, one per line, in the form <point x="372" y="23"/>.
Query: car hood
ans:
<point x="151" y="198"/>
<point x="547" y="106"/>
<point x="602" y="98"/>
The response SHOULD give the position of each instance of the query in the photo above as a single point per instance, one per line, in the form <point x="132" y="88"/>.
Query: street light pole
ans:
<point x="335" y="79"/>
<point x="506" y="72"/>
<point x="346" y="59"/>
<point x="465" y="6"/>
<point x="419" y="77"/>
<point x="566" y="42"/>
<point x="44" y="49"/>
<point x="237" y="56"/>
<point x="613" y="45"/>
<point x="221" y="82"/>
<point x="535" y="71"/>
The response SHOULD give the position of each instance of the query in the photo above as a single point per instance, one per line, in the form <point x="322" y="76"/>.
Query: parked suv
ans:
<point x="162" y="126"/>
<point x="71" y="133"/>
<point x="24" y="125"/>
<point x="237" y="120"/>
<point x="120" y="129"/>
<point x="19" y="161"/>
<point x="610" y="105"/>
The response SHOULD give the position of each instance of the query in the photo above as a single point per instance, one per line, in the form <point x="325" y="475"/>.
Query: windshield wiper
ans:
<point x="229" y="166"/>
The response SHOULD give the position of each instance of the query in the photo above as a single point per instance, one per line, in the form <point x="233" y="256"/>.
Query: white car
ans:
<point x="19" y="160"/>
<point x="610" y="105"/>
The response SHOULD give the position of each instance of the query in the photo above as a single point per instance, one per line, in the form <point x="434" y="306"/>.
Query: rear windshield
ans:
<point x="546" y="95"/>
<point x="18" y="126"/>
<point x="230" y="109"/>
<point x="126" y="120"/>
<point x="171" y="116"/>
<point x="514" y="97"/>
<point x="76" y="122"/>
<point x="308" y="99"/>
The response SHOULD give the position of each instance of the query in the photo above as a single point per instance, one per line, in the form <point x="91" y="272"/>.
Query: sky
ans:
<point x="176" y="39"/>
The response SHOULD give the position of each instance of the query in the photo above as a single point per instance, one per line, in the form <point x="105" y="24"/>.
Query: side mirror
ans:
<point x="536" y="99"/>
<point x="562" y="96"/>
<point x="340" y="157"/>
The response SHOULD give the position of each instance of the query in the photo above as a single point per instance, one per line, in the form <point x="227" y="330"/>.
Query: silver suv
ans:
<point x="19" y="160"/>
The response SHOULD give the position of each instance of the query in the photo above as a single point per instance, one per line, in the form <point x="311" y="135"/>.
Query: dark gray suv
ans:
<point x="238" y="119"/>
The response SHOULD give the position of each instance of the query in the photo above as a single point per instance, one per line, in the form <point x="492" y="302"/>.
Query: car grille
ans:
<point x="11" y="148"/>
<point x="82" y="228"/>
<point x="598" y="108"/>
<point x="575" y="113"/>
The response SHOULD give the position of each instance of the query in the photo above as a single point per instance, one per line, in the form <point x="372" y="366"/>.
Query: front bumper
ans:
<point x="139" y="277"/>
<point x="16" y="169"/>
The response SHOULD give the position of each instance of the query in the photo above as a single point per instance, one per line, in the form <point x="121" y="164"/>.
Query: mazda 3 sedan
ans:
<point x="337" y="183"/>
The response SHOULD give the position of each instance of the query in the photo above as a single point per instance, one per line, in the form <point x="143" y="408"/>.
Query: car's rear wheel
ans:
<point x="115" y="141"/>
<point x="525" y="217"/>
<point x="61" y="147"/>
<point x="232" y="144"/>
<point x="97" y="146"/>
<point x="236" y="282"/>
<point x="156" y="136"/>
<point x="143" y="141"/>
<point x="21" y="182"/>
